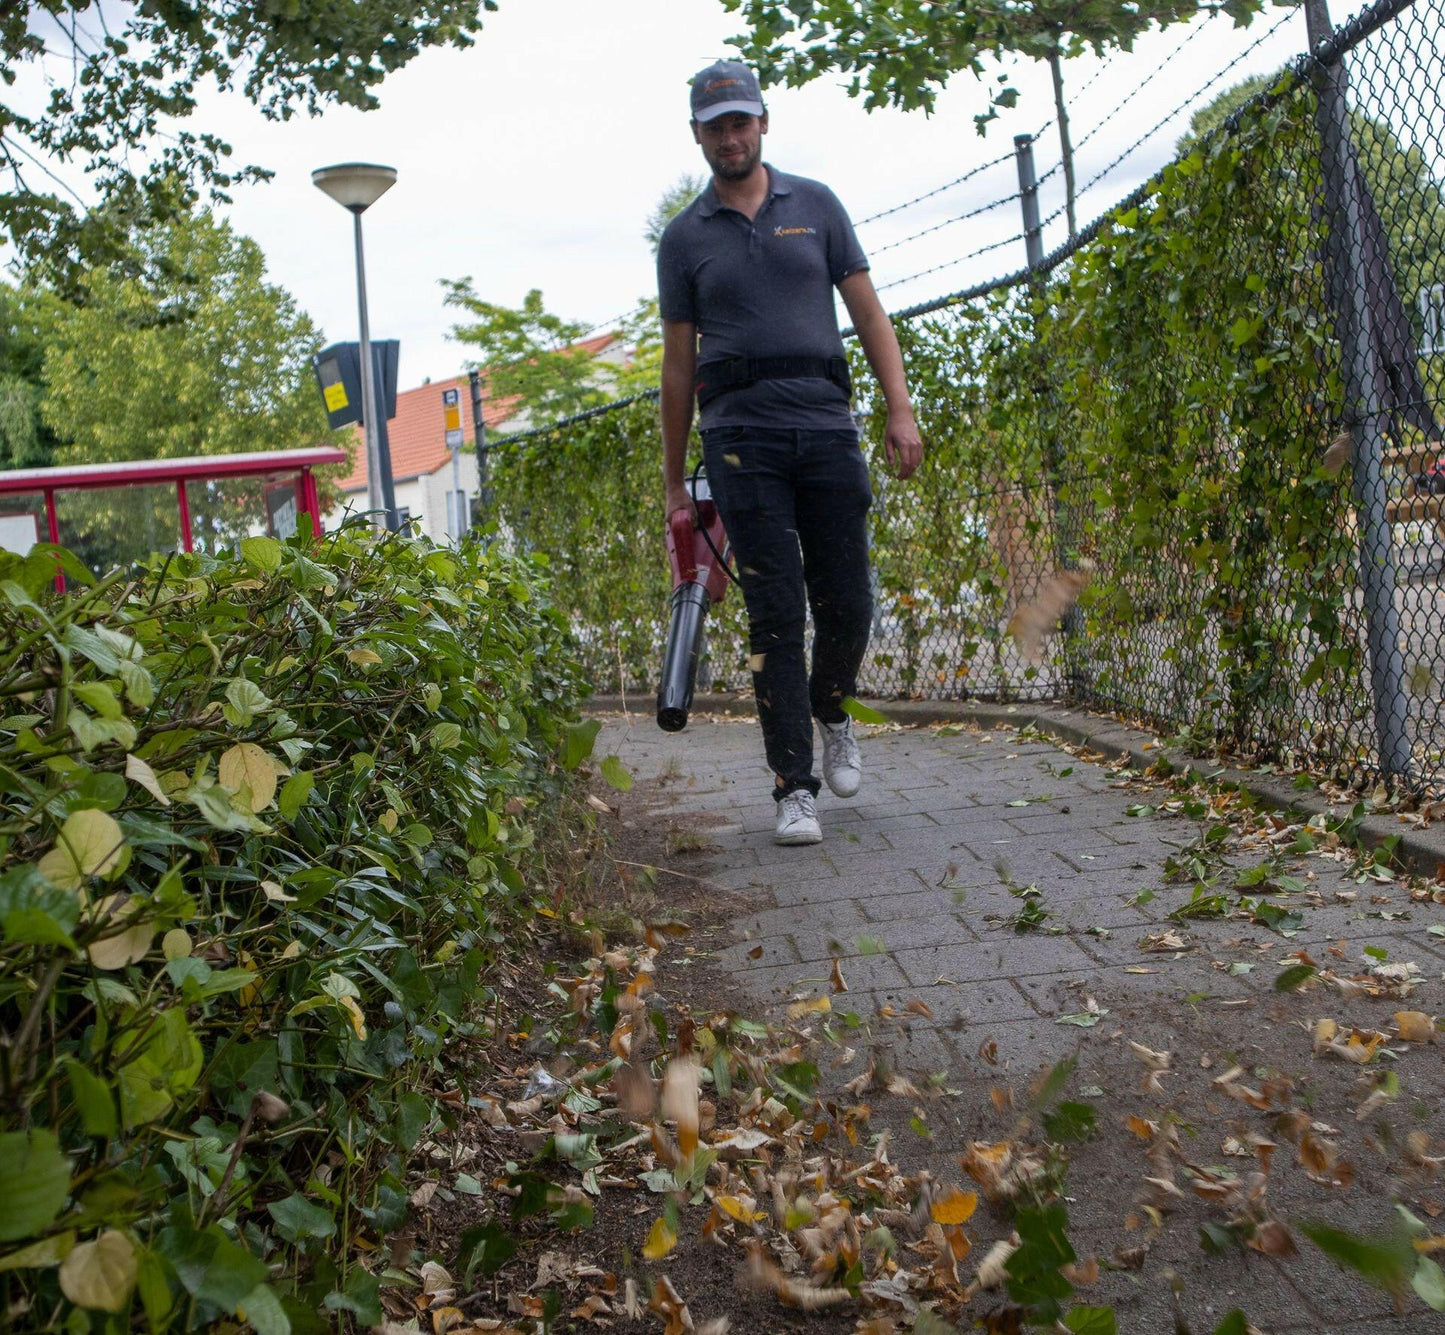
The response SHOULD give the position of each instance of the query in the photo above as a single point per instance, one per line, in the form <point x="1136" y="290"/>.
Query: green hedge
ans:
<point x="590" y="498"/>
<point x="1159" y="407"/>
<point x="266" y="820"/>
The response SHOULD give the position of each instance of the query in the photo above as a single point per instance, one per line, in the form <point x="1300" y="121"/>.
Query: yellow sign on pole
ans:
<point x="335" y="397"/>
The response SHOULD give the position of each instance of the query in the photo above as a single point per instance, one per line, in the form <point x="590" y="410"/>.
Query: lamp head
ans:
<point x="354" y="185"/>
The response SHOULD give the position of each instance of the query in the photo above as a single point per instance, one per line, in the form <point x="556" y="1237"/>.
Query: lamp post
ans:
<point x="356" y="186"/>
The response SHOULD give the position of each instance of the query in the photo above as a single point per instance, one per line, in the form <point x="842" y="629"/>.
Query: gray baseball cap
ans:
<point x="725" y="86"/>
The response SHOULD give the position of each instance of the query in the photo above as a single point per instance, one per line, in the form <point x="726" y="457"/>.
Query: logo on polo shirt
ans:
<point x="795" y="231"/>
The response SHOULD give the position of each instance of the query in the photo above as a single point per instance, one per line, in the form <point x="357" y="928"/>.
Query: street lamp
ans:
<point x="356" y="186"/>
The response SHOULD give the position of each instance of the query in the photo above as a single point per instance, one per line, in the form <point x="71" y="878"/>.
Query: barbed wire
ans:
<point x="947" y="222"/>
<point x="1143" y="83"/>
<point x="938" y="190"/>
<point x="1104" y="66"/>
<point x="1183" y="106"/>
<point x="948" y="264"/>
<point x="1327" y="53"/>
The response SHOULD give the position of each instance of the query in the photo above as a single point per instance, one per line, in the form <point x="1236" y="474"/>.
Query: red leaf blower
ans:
<point x="699" y="560"/>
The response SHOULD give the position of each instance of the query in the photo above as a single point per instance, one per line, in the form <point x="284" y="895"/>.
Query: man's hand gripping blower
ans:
<point x="698" y="557"/>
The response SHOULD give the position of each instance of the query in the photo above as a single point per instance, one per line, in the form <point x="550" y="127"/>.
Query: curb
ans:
<point x="1419" y="851"/>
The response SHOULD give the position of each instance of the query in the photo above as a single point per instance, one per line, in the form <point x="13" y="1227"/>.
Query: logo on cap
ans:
<point x="724" y="87"/>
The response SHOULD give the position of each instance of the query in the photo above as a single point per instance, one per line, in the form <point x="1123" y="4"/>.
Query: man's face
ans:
<point x="732" y="144"/>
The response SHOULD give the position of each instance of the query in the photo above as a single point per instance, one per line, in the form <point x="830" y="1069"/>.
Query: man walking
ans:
<point x="745" y="278"/>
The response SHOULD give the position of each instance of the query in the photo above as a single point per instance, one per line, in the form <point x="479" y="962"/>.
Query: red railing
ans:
<point x="150" y="472"/>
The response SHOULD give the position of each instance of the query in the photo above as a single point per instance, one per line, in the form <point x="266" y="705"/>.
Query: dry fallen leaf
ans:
<point x="1142" y="1127"/>
<point x="1337" y="453"/>
<point x="660" y="1240"/>
<point x="764" y="1276"/>
<point x="992" y="1270"/>
<point x="1157" y="1064"/>
<point x="1415" y="1026"/>
<point x="812" y="1006"/>
<point x="636" y="1094"/>
<point x="680" y="1100"/>
<point x="1036" y="619"/>
<point x="953" y="1206"/>
<point x="668" y="1304"/>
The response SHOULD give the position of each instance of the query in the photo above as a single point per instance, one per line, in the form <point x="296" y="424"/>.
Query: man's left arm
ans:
<point x="901" y="441"/>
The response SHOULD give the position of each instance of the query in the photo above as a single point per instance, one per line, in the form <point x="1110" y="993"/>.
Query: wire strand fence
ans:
<point x="1213" y="416"/>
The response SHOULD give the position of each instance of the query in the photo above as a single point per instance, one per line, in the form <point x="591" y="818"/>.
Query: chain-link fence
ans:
<point x="1215" y="411"/>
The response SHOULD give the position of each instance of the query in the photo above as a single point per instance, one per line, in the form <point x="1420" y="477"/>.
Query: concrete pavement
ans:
<point x="917" y="889"/>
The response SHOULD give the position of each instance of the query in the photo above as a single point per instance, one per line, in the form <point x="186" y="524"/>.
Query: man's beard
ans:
<point x="737" y="169"/>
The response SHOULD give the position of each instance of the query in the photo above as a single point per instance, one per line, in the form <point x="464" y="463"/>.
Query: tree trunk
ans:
<point x="1066" y="148"/>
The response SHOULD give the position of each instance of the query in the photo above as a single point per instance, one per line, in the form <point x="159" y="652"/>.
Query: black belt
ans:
<point x="714" y="378"/>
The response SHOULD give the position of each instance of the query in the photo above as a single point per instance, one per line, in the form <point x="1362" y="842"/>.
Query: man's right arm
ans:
<point x="679" y="370"/>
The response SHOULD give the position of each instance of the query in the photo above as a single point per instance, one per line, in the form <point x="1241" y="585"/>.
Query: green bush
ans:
<point x="266" y="819"/>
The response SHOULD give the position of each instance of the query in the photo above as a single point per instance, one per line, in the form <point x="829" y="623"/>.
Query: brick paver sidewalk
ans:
<point x="914" y="891"/>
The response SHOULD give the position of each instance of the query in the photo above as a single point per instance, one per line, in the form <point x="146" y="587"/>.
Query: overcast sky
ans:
<point x="533" y="159"/>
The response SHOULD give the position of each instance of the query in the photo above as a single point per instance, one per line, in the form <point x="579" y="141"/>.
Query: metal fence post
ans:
<point x="1029" y="200"/>
<point x="1063" y="520"/>
<point x="1364" y="407"/>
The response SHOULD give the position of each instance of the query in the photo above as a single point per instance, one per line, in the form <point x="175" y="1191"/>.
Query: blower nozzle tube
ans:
<point x="679" y="663"/>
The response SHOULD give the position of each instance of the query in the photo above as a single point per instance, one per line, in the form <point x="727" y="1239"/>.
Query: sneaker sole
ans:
<point x="797" y="840"/>
<point x="839" y="790"/>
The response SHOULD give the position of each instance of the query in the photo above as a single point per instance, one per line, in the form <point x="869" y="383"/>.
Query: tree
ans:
<point x="535" y="355"/>
<point x="182" y="349"/>
<point x="528" y="352"/>
<point x="670" y="203"/>
<point x="198" y="354"/>
<point x="26" y="441"/>
<point x="115" y="82"/>
<point x="902" y="52"/>
<point x="642" y="328"/>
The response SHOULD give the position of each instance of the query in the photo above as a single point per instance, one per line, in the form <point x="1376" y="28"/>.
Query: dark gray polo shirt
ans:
<point x="763" y="289"/>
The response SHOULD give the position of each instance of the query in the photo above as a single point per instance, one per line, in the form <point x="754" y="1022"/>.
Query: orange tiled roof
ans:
<point x="418" y="432"/>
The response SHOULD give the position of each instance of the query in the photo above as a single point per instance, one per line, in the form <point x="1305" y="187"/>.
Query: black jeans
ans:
<point x="795" y="505"/>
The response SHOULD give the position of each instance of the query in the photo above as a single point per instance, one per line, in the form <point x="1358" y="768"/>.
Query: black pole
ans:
<point x="383" y="438"/>
<point x="479" y="430"/>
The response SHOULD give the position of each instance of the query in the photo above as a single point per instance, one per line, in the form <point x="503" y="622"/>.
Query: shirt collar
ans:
<point x="778" y="184"/>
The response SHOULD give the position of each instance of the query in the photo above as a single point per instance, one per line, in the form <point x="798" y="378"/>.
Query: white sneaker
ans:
<point x="842" y="766"/>
<point x="798" y="819"/>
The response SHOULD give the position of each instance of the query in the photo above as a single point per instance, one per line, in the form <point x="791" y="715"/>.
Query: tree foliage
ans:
<point x="670" y="203"/>
<point x="528" y="352"/>
<point x="180" y="347"/>
<point x="26" y="441"/>
<point x="902" y="54"/>
<point x="186" y="349"/>
<point x="120" y="85"/>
